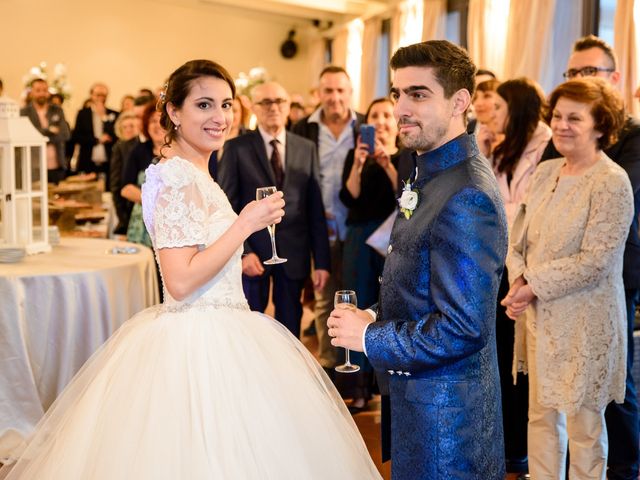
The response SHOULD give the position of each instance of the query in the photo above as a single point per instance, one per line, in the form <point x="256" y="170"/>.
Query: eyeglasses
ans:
<point x="585" y="72"/>
<point x="267" y="102"/>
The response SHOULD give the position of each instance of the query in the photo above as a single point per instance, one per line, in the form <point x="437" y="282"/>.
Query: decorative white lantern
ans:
<point x="24" y="211"/>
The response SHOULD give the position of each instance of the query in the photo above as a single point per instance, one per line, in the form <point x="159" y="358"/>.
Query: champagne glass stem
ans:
<point x="273" y="244"/>
<point x="347" y="358"/>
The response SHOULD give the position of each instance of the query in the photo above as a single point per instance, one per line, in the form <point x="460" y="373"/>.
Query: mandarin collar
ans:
<point x="446" y="156"/>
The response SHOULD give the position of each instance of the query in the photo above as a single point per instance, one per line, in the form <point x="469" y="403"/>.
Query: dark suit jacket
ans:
<point x="84" y="137"/>
<point x="55" y="116"/>
<point x="626" y="153"/>
<point x="434" y="338"/>
<point x="213" y="165"/>
<point x="303" y="231"/>
<point x="121" y="151"/>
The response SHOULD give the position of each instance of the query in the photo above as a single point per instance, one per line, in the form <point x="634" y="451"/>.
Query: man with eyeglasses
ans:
<point x="272" y="156"/>
<point x="592" y="56"/>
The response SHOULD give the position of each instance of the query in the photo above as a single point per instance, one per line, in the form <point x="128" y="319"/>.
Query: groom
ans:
<point x="433" y="338"/>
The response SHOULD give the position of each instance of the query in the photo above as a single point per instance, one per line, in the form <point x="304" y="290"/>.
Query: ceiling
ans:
<point x="336" y="11"/>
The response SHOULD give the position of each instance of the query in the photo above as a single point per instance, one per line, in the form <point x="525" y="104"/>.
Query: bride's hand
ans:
<point x="258" y="214"/>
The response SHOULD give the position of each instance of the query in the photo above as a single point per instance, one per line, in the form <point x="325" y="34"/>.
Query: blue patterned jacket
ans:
<point x="434" y="338"/>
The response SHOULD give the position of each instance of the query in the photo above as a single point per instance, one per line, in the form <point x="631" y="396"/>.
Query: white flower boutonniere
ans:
<point x="110" y="118"/>
<point x="408" y="201"/>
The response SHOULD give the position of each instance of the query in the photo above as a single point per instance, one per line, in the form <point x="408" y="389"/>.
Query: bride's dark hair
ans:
<point x="179" y="84"/>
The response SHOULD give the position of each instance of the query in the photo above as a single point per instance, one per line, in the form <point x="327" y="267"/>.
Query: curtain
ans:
<point x="530" y="27"/>
<point x="625" y="46"/>
<point x="353" y="64"/>
<point x="370" y="61"/>
<point x="406" y="24"/>
<point x="434" y="19"/>
<point x="564" y="31"/>
<point x="487" y="33"/>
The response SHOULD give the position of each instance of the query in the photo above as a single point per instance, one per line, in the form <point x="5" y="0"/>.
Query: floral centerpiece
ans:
<point x="58" y="81"/>
<point x="245" y="83"/>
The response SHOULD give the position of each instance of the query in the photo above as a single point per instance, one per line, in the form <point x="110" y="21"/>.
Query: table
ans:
<point x="56" y="309"/>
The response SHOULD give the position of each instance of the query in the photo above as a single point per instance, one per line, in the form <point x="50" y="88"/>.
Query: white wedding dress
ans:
<point x="197" y="389"/>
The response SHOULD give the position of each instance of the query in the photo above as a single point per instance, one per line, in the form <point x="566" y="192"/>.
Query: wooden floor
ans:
<point x="368" y="422"/>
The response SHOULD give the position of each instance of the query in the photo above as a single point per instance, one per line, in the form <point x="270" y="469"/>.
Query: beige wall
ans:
<point x="133" y="43"/>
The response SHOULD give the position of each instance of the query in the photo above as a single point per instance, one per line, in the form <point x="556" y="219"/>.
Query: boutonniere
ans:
<point x="55" y="118"/>
<point x="408" y="201"/>
<point x="110" y="118"/>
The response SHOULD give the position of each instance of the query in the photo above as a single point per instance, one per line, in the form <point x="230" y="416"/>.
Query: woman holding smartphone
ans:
<point x="370" y="181"/>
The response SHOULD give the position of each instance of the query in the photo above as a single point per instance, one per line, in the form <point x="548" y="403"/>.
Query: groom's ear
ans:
<point x="461" y="101"/>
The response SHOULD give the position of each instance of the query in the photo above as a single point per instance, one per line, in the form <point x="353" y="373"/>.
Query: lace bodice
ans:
<point x="182" y="206"/>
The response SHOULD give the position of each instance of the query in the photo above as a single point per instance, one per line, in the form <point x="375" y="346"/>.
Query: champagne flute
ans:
<point x="346" y="300"/>
<point x="264" y="192"/>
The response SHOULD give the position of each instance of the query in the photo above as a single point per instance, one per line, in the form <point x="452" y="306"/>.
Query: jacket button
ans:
<point x="389" y="249"/>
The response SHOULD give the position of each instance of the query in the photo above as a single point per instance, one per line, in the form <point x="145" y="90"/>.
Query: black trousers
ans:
<point x="515" y="398"/>
<point x="622" y="419"/>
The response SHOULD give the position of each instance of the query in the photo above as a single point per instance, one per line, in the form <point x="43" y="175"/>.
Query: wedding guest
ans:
<point x="119" y="155"/>
<point x="484" y="75"/>
<point x="126" y="126"/>
<point x="296" y="113"/>
<point x="127" y="103"/>
<point x="133" y="174"/>
<point x="333" y="127"/>
<point x="56" y="99"/>
<point x="240" y="113"/>
<point x="94" y="133"/>
<point x="567" y="295"/>
<point x="369" y="185"/>
<point x="518" y="119"/>
<point x="146" y="92"/>
<point x="127" y="130"/>
<point x="272" y="156"/>
<point x="592" y="56"/>
<point x="49" y="121"/>
<point x="483" y="104"/>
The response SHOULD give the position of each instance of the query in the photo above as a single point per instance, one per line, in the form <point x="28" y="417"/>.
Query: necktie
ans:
<point x="276" y="164"/>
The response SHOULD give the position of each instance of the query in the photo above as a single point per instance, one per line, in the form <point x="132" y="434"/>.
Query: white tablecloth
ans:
<point x="56" y="309"/>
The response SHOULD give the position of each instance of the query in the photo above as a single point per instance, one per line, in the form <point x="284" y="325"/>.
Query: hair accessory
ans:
<point x="163" y="92"/>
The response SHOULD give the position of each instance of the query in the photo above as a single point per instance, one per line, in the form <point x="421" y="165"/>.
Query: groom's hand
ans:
<point x="347" y="326"/>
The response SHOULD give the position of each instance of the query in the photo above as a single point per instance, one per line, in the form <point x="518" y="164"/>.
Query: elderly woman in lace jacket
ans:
<point x="566" y="295"/>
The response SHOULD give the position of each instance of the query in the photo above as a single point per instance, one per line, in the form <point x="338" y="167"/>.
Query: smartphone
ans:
<point x="368" y="136"/>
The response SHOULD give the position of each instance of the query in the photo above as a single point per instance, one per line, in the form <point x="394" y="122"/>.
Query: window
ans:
<point x="383" y="81"/>
<point x="456" y="29"/>
<point x="607" y="11"/>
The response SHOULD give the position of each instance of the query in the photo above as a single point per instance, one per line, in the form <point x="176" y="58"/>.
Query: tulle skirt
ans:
<point x="209" y="393"/>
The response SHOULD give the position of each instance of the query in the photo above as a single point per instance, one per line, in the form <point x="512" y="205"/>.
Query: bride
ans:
<point x="198" y="387"/>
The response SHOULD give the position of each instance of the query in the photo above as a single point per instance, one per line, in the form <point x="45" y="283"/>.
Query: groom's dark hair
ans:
<point x="452" y="65"/>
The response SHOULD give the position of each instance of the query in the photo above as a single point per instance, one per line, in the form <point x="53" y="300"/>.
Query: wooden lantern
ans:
<point x="24" y="216"/>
